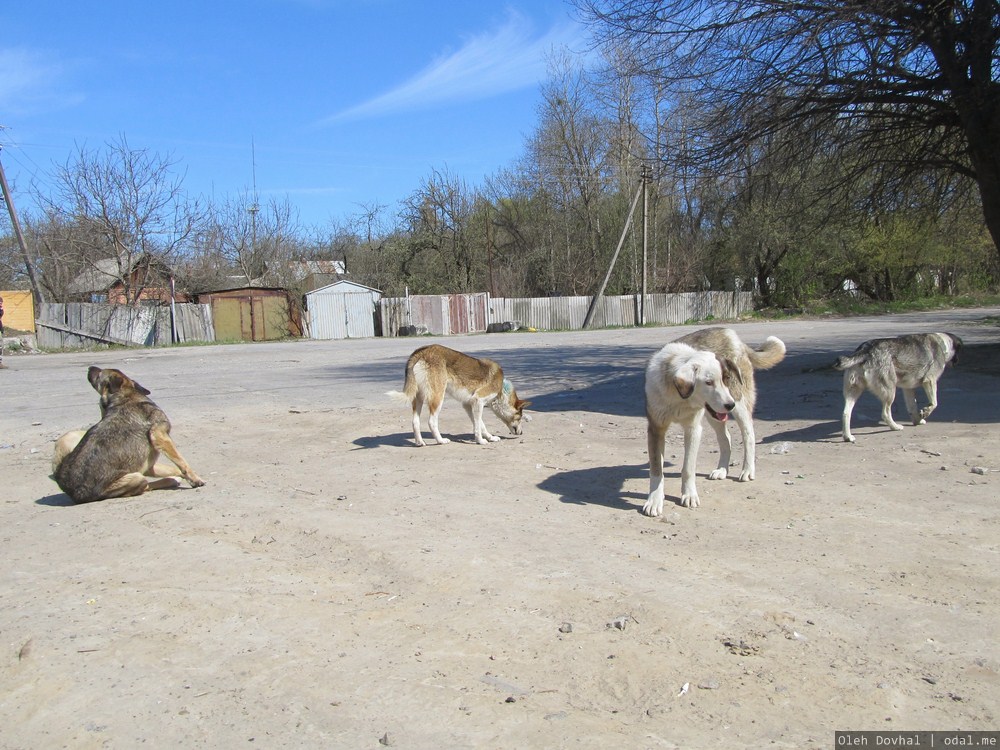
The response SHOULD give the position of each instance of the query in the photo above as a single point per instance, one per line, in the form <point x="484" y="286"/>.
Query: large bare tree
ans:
<point x="256" y="240"/>
<point x="912" y="83"/>
<point x="119" y="205"/>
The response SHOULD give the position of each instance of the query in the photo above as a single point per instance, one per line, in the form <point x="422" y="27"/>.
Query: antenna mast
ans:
<point x="255" y="206"/>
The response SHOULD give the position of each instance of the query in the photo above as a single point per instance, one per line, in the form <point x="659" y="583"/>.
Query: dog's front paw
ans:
<point x="848" y="438"/>
<point x="654" y="505"/>
<point x="443" y="441"/>
<point x="895" y="426"/>
<point x="748" y="475"/>
<point x="719" y="474"/>
<point x="195" y="481"/>
<point x="494" y="438"/>
<point x="690" y="500"/>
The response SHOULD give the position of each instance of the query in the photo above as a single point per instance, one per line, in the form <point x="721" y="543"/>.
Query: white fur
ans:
<point x="674" y="369"/>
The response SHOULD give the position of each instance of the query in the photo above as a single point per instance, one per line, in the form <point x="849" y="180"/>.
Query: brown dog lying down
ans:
<point x="117" y="457"/>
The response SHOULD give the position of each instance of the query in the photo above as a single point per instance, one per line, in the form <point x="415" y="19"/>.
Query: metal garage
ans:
<point x="343" y="310"/>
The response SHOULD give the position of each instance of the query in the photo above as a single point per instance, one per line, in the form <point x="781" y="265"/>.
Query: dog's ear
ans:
<point x="519" y="404"/>
<point x="729" y="370"/>
<point x="684" y="381"/>
<point x="139" y="389"/>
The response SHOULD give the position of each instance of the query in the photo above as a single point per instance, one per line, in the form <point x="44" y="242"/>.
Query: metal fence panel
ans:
<point x="434" y="313"/>
<point x="568" y="313"/>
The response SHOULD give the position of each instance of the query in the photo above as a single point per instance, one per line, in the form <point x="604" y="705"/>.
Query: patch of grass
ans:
<point x="848" y="306"/>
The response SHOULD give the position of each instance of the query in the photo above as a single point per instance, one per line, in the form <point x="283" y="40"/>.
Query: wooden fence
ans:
<point x="80" y="325"/>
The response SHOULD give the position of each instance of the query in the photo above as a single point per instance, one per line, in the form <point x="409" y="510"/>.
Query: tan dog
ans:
<point x="709" y="371"/>
<point x="432" y="371"/>
<point x="117" y="456"/>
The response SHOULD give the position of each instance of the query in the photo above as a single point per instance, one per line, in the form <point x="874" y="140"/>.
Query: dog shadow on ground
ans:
<point x="598" y="485"/>
<point x="396" y="440"/>
<point x="405" y="440"/>
<point x="815" y="433"/>
<point x="58" y="500"/>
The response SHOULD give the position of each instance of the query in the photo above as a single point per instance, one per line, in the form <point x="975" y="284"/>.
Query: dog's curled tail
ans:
<point x="842" y="363"/>
<point x="770" y="353"/>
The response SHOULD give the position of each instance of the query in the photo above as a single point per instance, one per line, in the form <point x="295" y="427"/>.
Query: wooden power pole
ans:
<point x="29" y="267"/>
<point x="614" y="259"/>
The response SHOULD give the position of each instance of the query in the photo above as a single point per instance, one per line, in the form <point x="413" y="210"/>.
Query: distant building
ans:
<point x="253" y="313"/>
<point x="313" y="274"/>
<point x="102" y="282"/>
<point x="343" y="310"/>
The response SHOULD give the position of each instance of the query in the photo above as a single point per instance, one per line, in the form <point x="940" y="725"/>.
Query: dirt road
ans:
<point x="334" y="586"/>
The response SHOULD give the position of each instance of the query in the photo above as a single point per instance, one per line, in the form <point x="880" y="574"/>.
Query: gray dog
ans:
<point x="882" y="365"/>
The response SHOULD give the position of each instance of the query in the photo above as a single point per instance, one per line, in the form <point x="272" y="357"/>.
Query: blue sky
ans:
<point x="336" y="104"/>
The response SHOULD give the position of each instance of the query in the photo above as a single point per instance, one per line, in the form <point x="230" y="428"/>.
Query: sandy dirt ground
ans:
<point x="335" y="586"/>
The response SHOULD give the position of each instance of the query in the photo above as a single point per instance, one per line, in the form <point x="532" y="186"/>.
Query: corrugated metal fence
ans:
<point x="79" y="325"/>
<point x="432" y="314"/>
<point x="568" y="313"/>
<point x="440" y="314"/>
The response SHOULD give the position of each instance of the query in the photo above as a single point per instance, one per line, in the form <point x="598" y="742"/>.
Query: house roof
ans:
<point x="98" y="277"/>
<point x="303" y="268"/>
<point x="102" y="274"/>
<point x="242" y="288"/>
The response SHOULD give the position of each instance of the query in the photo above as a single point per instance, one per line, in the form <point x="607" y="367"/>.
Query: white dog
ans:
<point x="708" y="371"/>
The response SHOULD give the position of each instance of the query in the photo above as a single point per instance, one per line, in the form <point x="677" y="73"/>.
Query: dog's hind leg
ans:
<point x="134" y="484"/>
<point x="655" y="435"/>
<point x="725" y="449"/>
<point x="65" y="446"/>
<point x="163" y="471"/>
<point x="852" y="392"/>
<point x="418" y="405"/>
<point x="886" y="393"/>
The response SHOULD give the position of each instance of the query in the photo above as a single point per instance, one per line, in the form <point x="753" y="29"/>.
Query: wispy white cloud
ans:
<point x="509" y="58"/>
<point x="28" y="81"/>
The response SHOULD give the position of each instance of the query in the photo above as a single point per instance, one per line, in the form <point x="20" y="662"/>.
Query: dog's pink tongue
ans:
<point x="722" y="416"/>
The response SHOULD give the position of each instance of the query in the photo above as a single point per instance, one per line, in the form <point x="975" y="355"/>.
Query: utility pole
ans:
<point x="20" y="236"/>
<point x="614" y="259"/>
<point x="645" y="240"/>
<point x="489" y="248"/>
